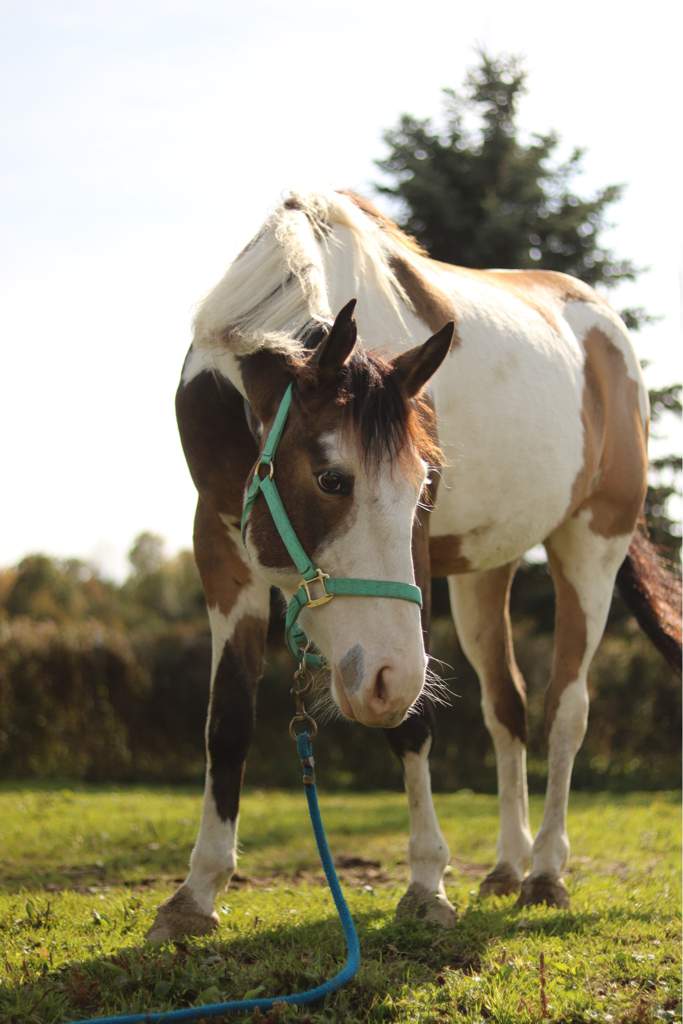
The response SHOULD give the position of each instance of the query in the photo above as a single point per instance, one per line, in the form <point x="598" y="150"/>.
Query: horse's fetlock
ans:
<point x="213" y="864"/>
<point x="432" y="854"/>
<point x="550" y="852"/>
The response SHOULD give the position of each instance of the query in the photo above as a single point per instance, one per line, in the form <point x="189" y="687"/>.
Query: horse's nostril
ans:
<point x="380" y="688"/>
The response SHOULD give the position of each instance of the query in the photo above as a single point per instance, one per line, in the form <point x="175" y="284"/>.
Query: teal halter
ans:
<point x="317" y="587"/>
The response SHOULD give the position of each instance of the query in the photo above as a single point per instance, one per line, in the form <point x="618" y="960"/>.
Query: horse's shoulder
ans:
<point x="218" y="445"/>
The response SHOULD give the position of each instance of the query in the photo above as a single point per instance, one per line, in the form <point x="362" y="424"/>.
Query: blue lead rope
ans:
<point x="313" y="995"/>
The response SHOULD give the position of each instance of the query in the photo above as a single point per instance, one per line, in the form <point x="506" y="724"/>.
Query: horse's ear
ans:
<point x="265" y="376"/>
<point x="335" y="349"/>
<point x="414" y="367"/>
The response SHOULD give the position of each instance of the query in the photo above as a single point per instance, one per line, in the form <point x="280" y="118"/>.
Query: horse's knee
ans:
<point x="566" y="714"/>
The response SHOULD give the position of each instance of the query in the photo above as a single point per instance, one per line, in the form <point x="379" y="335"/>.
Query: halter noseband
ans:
<point x="317" y="587"/>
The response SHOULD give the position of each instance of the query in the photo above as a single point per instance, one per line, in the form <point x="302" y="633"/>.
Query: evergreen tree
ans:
<point x="475" y="193"/>
<point x="481" y="197"/>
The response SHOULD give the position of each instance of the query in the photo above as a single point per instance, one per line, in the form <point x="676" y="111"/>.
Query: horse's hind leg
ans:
<point x="584" y="566"/>
<point x="480" y="607"/>
<point x="238" y="613"/>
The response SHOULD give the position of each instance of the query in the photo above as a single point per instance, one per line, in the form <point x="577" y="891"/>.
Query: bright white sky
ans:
<point x="143" y="143"/>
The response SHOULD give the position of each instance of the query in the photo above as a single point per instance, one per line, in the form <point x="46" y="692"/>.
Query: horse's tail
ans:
<point x="653" y="593"/>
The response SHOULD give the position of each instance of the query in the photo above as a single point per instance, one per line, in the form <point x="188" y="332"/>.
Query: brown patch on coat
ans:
<point x="420" y="544"/>
<point x="571" y="638"/>
<point x="521" y="289"/>
<point x="315" y="516"/>
<point x="430" y="303"/>
<point x="222" y="567"/>
<point x="612" y="481"/>
<point x="216" y="440"/>
<point x="220" y="450"/>
<point x="387" y="225"/>
<point x="446" y="557"/>
<point x="541" y="290"/>
<point x="562" y="287"/>
<point x="497" y="665"/>
<point x="611" y="485"/>
<point x="249" y="641"/>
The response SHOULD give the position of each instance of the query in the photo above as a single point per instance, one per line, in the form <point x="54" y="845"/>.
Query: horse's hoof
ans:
<point x="179" y="917"/>
<point x="422" y="905"/>
<point x="543" y="889"/>
<point x="500" y="882"/>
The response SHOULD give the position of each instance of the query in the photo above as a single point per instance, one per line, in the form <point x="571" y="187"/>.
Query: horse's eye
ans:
<point x="332" y="482"/>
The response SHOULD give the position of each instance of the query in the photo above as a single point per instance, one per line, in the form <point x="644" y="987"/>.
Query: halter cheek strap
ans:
<point x="316" y="587"/>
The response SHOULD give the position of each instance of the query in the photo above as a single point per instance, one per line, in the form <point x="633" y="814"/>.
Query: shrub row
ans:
<point x="85" y="701"/>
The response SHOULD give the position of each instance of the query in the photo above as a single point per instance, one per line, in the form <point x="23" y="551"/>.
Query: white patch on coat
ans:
<point x="214" y="856"/>
<point x="375" y="544"/>
<point x="508" y="403"/>
<point x="223" y="361"/>
<point x="514" y="838"/>
<point x="428" y="851"/>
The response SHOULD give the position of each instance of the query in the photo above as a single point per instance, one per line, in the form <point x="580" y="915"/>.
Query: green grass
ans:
<point x="83" y="869"/>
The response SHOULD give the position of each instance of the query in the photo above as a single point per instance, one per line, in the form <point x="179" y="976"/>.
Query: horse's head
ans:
<point x="350" y="467"/>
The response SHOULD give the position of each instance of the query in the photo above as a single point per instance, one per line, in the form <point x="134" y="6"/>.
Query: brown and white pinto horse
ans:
<point x="534" y="425"/>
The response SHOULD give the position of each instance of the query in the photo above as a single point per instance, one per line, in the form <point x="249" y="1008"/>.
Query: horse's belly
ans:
<point x="493" y="541"/>
<point x="512" y="438"/>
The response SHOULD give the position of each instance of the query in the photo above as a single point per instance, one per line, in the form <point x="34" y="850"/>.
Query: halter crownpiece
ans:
<point x="316" y="587"/>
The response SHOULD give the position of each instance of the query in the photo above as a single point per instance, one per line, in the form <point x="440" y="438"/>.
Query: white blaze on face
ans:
<point x="374" y="645"/>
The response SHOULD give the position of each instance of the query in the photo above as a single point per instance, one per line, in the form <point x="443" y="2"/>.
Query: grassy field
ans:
<point x="82" y="871"/>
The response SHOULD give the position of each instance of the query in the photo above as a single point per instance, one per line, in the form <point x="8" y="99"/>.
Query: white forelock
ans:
<point x="277" y="287"/>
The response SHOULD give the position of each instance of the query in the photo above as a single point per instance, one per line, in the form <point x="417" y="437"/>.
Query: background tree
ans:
<point x="475" y="193"/>
<point x="59" y="590"/>
<point x="160" y="589"/>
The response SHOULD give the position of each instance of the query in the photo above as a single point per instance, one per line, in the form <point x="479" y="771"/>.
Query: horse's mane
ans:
<point x="275" y="292"/>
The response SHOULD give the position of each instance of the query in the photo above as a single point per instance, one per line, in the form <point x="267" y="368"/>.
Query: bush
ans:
<point x="85" y="701"/>
<point x="68" y="696"/>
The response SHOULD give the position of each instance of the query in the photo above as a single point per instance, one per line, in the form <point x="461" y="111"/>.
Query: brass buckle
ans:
<point x="271" y="469"/>
<point x="315" y="602"/>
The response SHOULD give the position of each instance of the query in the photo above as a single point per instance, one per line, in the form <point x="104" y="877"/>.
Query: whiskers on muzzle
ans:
<point x="435" y="690"/>
<point x="323" y="706"/>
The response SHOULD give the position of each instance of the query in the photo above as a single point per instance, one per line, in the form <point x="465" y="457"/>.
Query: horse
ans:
<point x="443" y="422"/>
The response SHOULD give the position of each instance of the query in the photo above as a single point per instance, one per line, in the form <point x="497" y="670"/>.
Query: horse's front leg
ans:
<point x="411" y="742"/>
<point x="238" y="613"/>
<point x="428" y="852"/>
